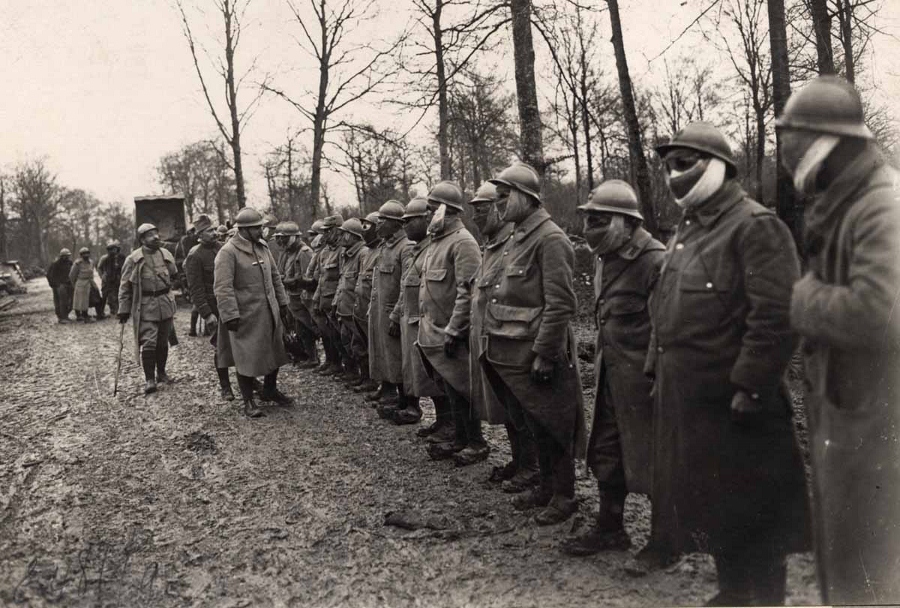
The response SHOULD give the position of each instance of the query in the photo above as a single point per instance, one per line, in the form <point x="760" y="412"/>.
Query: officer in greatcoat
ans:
<point x="368" y="258"/>
<point x="145" y="297"/>
<point x="58" y="278"/>
<point x="620" y="447"/>
<point x="252" y="303"/>
<point x="345" y="297"/>
<point x="199" y="268"/>
<point x="110" y="270"/>
<point x="727" y="474"/>
<point x="521" y="472"/>
<point x="292" y="265"/>
<point x="416" y="381"/>
<point x="445" y="307"/>
<point x="81" y="276"/>
<point x="530" y="352"/>
<point x="385" y="356"/>
<point x="845" y="309"/>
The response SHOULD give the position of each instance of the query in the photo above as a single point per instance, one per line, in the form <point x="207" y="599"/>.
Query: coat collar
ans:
<point x="845" y="186"/>
<point x="718" y="204"/>
<point x="531" y="223"/>
<point x="636" y="246"/>
<point x="349" y="253"/>
<point x="398" y="236"/>
<point x="506" y="231"/>
<point x="451" y="225"/>
<point x="244" y="245"/>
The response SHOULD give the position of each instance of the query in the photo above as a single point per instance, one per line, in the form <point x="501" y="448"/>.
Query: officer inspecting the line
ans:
<point x="531" y="350"/>
<point x="144" y="296"/>
<point x="845" y="310"/>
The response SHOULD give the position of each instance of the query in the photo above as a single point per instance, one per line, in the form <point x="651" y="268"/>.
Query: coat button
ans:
<point x="494" y="300"/>
<point x="679" y="246"/>
<point x="603" y="300"/>
<point x="659" y="349"/>
<point x="497" y="286"/>
<point x="709" y="285"/>
<point x="602" y="321"/>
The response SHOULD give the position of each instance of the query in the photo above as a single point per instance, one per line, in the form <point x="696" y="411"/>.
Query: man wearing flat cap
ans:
<point x="145" y="296"/>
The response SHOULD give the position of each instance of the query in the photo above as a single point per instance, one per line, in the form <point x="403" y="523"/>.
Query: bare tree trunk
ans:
<point x="235" y="140"/>
<point x="785" y="202"/>
<point x="585" y="116"/>
<point x="845" y="20"/>
<point x="822" y="27"/>
<point x="526" y="89"/>
<point x="4" y="253"/>
<point x="638" y="161"/>
<point x="760" y="151"/>
<point x="573" y="130"/>
<point x="443" y="111"/>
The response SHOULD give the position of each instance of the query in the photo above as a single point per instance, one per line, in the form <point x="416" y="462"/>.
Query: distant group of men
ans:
<point x="693" y="341"/>
<point x="74" y="288"/>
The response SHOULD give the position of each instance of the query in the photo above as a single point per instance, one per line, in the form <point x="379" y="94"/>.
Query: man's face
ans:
<point x="207" y="236"/>
<point x="282" y="241"/>
<point x="268" y="232"/>
<point x="368" y="231"/>
<point x="486" y="218"/>
<point x="416" y="227"/>
<point x="253" y="233"/>
<point x="85" y="255"/>
<point x="386" y="227"/>
<point x="794" y="145"/>
<point x="151" y="239"/>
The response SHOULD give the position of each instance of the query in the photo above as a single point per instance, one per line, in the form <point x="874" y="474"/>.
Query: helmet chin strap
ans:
<point x="708" y="184"/>
<point x="809" y="166"/>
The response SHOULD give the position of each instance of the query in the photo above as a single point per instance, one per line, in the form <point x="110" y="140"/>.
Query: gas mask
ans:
<point x="515" y="207"/>
<point x="692" y="177"/>
<point x="805" y="173"/>
<point x="487" y="219"/>
<point x="606" y="232"/>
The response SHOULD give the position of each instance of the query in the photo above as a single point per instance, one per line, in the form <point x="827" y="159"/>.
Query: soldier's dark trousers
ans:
<point x="195" y="318"/>
<point x="154" y="345"/>
<point x="222" y="373"/>
<point x="110" y="296"/>
<point x="359" y="346"/>
<point x="465" y="421"/>
<point x="351" y="364"/>
<point x="62" y="301"/>
<point x="606" y="451"/>
<point x="334" y="327"/>
<point x="308" y="340"/>
<point x="751" y="575"/>
<point x="245" y="384"/>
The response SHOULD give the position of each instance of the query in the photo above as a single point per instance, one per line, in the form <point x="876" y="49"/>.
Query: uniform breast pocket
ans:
<point x="702" y="296"/>
<point x="436" y="274"/>
<point x="387" y="268"/>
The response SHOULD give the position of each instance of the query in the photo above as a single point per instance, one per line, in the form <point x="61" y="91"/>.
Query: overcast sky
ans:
<point x="104" y="89"/>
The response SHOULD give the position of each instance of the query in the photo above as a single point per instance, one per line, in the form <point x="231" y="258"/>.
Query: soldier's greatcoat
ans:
<point x="248" y="287"/>
<point x="720" y="324"/>
<point x="847" y="312"/>
<point x="445" y="302"/>
<point x="530" y="314"/>
<point x="385" y="356"/>
<point x="416" y="381"/>
<point x="156" y="275"/>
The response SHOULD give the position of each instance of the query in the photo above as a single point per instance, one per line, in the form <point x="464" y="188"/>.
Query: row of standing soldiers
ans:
<point x="693" y="342"/>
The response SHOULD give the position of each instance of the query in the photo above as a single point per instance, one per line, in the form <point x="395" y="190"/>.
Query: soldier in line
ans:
<point x="222" y="233"/>
<point x="445" y="307"/>
<point x="58" y="278"/>
<point x="145" y="297"/>
<point x="199" y="268"/>
<point x="327" y="272"/>
<point x="81" y="276"/>
<point x="530" y="357"/>
<point x="309" y="284"/>
<point x="521" y="472"/>
<point x="385" y="355"/>
<point x="845" y="310"/>
<point x="345" y="297"/>
<point x="110" y="270"/>
<point x="727" y="474"/>
<point x="416" y="382"/>
<point x="252" y="303"/>
<point x="620" y="447"/>
<point x="292" y="265"/>
<point x="368" y="258"/>
<point x="184" y="246"/>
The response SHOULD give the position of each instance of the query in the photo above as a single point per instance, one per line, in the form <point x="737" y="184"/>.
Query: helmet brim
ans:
<point x="589" y="208"/>
<point x="860" y="131"/>
<point x="514" y="186"/>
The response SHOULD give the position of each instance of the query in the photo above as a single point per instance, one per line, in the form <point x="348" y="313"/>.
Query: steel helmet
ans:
<point x="702" y="137"/>
<point x="248" y="218"/>
<point x="222" y="229"/>
<point x="417" y="207"/>
<point x="522" y="177"/>
<point x="144" y="229"/>
<point x="64" y="251"/>
<point x="113" y="245"/>
<point x="613" y="196"/>
<point x="486" y="193"/>
<point x="391" y="210"/>
<point x="371" y="218"/>
<point x="447" y="193"/>
<point x="828" y="104"/>
<point x="287" y="229"/>
<point x="332" y="221"/>
<point x="353" y="226"/>
<point x="270" y="221"/>
<point x="317" y="226"/>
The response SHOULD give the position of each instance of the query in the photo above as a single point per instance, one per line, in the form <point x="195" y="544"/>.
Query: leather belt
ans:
<point x="152" y="294"/>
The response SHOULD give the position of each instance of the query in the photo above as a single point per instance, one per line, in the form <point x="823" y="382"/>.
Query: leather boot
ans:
<point x="442" y="417"/>
<point x="476" y="448"/>
<point x="651" y="558"/>
<point x="607" y="533"/>
<point x="148" y="362"/>
<point x="442" y="451"/>
<point x="390" y="405"/>
<point x="527" y="473"/>
<point x="250" y="409"/>
<point x="538" y="496"/>
<point x="563" y="504"/>
<point x="195" y="316"/>
<point x="411" y="412"/>
<point x="224" y="384"/>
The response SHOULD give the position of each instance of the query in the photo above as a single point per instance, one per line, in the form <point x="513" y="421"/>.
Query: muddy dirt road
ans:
<point x="177" y="500"/>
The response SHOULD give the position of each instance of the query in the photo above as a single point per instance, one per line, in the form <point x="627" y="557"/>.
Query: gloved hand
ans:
<point x="394" y="329"/>
<point x="124" y="316"/>
<point x="450" y="345"/>
<point x="542" y="370"/>
<point x="233" y="324"/>
<point x="745" y="410"/>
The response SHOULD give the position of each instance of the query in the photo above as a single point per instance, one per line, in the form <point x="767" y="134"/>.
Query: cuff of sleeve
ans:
<point x="452" y="332"/>
<point x="756" y="387"/>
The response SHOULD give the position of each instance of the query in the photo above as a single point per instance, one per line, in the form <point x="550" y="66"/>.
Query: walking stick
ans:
<point x="119" y="360"/>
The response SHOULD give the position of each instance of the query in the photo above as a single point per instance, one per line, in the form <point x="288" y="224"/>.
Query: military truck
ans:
<point x="166" y="213"/>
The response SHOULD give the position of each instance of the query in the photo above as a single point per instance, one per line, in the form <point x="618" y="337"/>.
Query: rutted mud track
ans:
<point x="177" y="500"/>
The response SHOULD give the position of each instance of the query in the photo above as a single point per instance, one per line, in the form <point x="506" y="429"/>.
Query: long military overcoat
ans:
<point x="622" y="285"/>
<point x="385" y="354"/>
<point x="345" y="295"/>
<point x="292" y="266"/>
<point x="720" y="315"/>
<point x="847" y="312"/>
<point x="484" y="400"/>
<point x="248" y="287"/>
<point x="131" y="297"/>
<point x="199" y="268"/>
<point x="368" y="258"/>
<point x="416" y="381"/>
<point x="530" y="314"/>
<point x="445" y="303"/>
<point x="82" y="277"/>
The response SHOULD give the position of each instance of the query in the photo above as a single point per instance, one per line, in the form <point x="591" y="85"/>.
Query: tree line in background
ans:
<point x="39" y="216"/>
